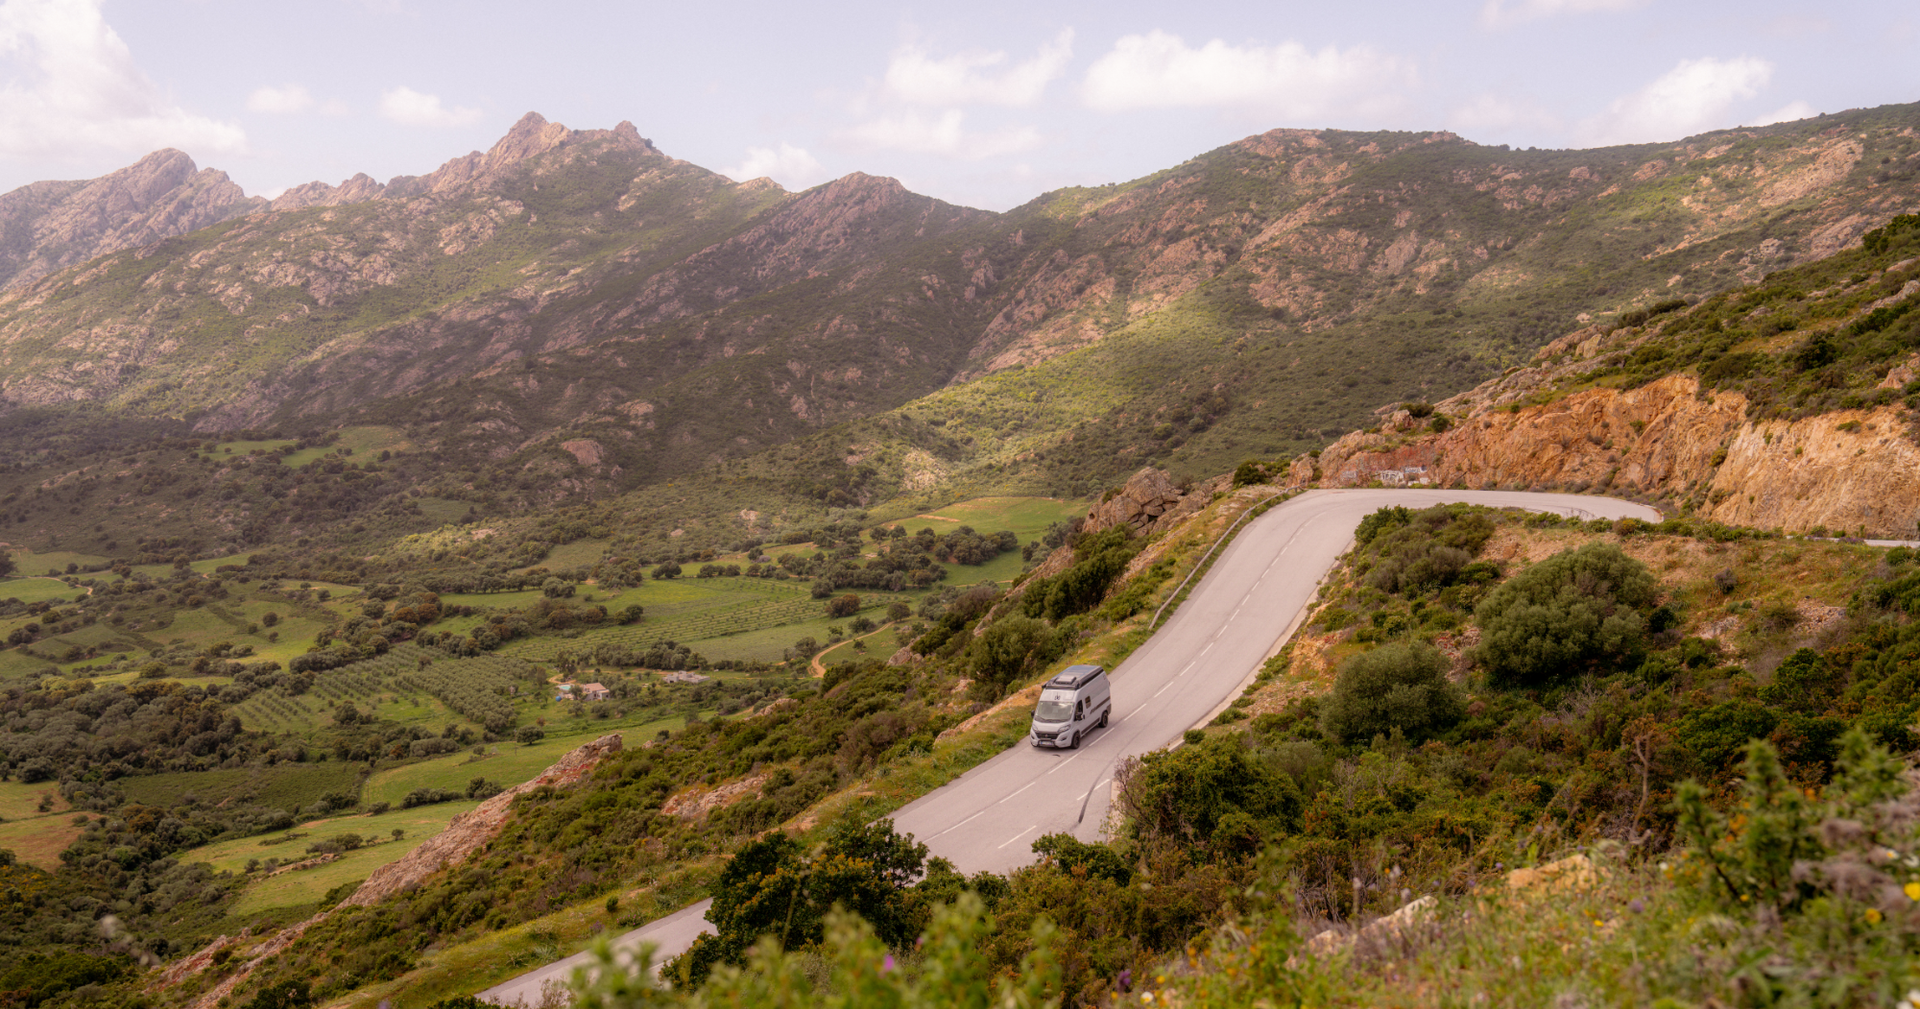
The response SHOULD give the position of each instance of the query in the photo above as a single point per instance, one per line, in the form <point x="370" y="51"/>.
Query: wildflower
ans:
<point x="1873" y="916"/>
<point x="887" y="964"/>
<point x="1636" y="905"/>
<point x="1912" y="891"/>
<point x="1146" y="997"/>
<point x="1912" y="1001"/>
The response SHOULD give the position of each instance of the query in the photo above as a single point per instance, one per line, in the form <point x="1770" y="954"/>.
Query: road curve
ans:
<point x="988" y="818"/>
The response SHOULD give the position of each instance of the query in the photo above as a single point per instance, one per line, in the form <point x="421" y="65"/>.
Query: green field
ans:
<point x="27" y="562"/>
<point x="285" y="785"/>
<point x="16" y="665"/>
<point x="38" y="842"/>
<point x="306" y="886"/>
<point x="1026" y="517"/>
<point x="19" y="800"/>
<point x="578" y="554"/>
<point x="366" y="442"/>
<point x="409" y="684"/>
<point x="244" y="448"/>
<point x="38" y="590"/>
<point x="509" y="763"/>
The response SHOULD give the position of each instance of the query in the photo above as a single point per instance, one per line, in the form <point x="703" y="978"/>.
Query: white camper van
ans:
<point x="1072" y="704"/>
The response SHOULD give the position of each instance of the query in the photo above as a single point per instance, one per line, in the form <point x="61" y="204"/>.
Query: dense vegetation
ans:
<point x="1804" y="341"/>
<point x="1770" y="800"/>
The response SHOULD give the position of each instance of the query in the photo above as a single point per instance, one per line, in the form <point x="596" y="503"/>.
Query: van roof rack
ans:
<point x="1073" y="676"/>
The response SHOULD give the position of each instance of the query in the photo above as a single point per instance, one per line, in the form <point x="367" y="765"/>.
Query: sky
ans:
<point x="987" y="104"/>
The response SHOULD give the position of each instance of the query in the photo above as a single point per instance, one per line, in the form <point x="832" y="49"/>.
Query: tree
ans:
<point x="7" y="565"/>
<point x="1395" y="686"/>
<point x="1575" y="610"/>
<point x="1011" y="647"/>
<point x="843" y="606"/>
<point x="668" y="569"/>
<point x="529" y="734"/>
<point x="771" y="887"/>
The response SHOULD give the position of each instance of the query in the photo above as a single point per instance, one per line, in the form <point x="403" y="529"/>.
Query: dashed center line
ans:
<point x="1020" y="835"/>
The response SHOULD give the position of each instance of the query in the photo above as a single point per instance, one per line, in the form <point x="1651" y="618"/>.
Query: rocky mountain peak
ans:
<point x="52" y="225"/>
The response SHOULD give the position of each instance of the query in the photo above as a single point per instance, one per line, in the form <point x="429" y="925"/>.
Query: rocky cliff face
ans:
<point x="1848" y="471"/>
<point x="48" y="226"/>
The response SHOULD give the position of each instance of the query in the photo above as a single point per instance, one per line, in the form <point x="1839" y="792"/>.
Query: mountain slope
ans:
<point x="48" y="226"/>
<point x="1790" y="404"/>
<point x="574" y="312"/>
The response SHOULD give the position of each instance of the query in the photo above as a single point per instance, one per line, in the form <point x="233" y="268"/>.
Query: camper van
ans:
<point x="1071" y="704"/>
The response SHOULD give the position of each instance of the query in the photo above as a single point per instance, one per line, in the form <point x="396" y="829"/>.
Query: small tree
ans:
<point x="528" y="735"/>
<point x="843" y="606"/>
<point x="1575" y="610"/>
<point x="1396" y="686"/>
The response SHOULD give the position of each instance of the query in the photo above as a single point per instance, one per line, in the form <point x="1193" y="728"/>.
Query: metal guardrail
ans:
<point x="1252" y="509"/>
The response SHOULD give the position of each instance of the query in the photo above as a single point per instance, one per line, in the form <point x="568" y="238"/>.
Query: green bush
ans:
<point x="1214" y="792"/>
<point x="1010" y="648"/>
<point x="1397" y="686"/>
<point x="1575" y="611"/>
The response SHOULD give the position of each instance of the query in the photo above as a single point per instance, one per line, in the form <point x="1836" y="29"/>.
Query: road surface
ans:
<point x="1234" y="618"/>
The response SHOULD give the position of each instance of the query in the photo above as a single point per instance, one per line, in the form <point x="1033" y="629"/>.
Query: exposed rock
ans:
<point x="1665" y="439"/>
<point x="1392" y="928"/>
<point x="696" y="803"/>
<point x="47" y="226"/>
<point x="1573" y="874"/>
<point x="905" y="656"/>
<point x="1900" y="375"/>
<point x="1148" y="501"/>
<point x="470" y="830"/>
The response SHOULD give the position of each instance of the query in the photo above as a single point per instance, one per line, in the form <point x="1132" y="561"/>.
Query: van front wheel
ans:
<point x="1073" y="740"/>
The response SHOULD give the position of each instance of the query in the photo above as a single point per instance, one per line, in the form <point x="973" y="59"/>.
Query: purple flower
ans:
<point x="1636" y="905"/>
<point x="1124" y="983"/>
<point x="887" y="964"/>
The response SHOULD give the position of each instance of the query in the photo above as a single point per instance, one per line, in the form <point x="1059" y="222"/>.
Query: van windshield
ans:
<point x="1053" y="711"/>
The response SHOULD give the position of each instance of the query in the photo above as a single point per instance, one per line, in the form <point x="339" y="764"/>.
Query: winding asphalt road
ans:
<point x="1238" y="615"/>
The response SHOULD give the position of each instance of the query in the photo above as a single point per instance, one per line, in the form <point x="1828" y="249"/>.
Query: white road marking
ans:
<point x="1020" y="835"/>
<point x="1022" y="788"/>
<point x="957" y="826"/>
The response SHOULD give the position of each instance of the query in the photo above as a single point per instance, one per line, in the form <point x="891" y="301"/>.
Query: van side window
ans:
<point x="1080" y="711"/>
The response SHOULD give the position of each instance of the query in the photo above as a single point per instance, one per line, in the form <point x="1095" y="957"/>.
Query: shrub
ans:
<point x="1012" y="647"/>
<point x="1575" y="610"/>
<point x="1784" y="849"/>
<point x="1423" y="550"/>
<point x="1395" y="686"/>
<point x="1214" y="792"/>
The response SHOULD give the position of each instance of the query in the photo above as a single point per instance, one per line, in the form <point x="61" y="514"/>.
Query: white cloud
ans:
<point x="73" y="90"/>
<point x="945" y="135"/>
<point x="1693" y="97"/>
<point x="285" y="101"/>
<point x="976" y="78"/>
<point x="1787" y="113"/>
<point x="411" y="108"/>
<point x="1158" y="70"/>
<point x="1501" y="14"/>
<point x="788" y="165"/>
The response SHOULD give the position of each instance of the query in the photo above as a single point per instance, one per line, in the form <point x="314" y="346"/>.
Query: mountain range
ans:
<point x="574" y="312"/>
